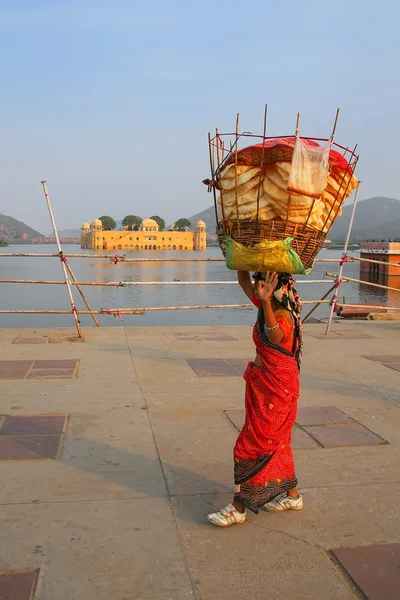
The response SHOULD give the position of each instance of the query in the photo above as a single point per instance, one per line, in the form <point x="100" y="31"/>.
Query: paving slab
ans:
<point x="18" y="585"/>
<point x="212" y="367"/>
<point x="375" y="569"/>
<point x="240" y="364"/>
<point x="29" y="447"/>
<point x="14" y="369"/>
<point x="33" y="424"/>
<point x="354" y="434"/>
<point x="321" y="415"/>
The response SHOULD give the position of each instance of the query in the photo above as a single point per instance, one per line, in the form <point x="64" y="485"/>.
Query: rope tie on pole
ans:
<point x="115" y="313"/>
<point x="334" y="301"/>
<point x="343" y="259"/>
<point x="62" y="257"/>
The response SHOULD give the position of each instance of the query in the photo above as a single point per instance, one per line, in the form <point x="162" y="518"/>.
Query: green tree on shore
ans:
<point x="108" y="223"/>
<point x="182" y="224"/>
<point x="131" y="222"/>
<point x="160" y="222"/>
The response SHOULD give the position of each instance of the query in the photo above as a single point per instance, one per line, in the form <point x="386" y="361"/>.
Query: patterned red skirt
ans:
<point x="264" y="465"/>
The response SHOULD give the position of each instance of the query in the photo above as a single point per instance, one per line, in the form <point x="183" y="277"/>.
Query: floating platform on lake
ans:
<point x="360" y="312"/>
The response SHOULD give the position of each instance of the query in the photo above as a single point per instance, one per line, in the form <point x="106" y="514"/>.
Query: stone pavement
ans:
<point x="105" y="495"/>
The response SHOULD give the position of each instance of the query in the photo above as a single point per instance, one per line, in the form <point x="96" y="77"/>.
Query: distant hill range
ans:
<point x="376" y="218"/>
<point x="67" y="233"/>
<point x="14" y="231"/>
<point x="208" y="216"/>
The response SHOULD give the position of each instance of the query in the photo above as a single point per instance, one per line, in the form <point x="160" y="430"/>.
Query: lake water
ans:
<point x="19" y="296"/>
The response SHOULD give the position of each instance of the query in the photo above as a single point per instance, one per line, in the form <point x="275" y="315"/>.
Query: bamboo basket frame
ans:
<point x="307" y="240"/>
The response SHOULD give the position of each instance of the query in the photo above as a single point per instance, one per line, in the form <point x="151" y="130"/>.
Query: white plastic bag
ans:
<point x="309" y="169"/>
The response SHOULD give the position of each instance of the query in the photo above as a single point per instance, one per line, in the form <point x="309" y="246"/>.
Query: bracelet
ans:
<point x="272" y="328"/>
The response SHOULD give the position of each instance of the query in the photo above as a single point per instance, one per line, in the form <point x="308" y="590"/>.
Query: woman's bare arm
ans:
<point x="245" y="283"/>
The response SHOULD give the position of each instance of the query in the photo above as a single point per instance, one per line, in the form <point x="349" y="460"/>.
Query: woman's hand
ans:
<point x="265" y="289"/>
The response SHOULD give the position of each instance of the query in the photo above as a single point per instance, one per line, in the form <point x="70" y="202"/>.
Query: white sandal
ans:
<point x="227" y="516"/>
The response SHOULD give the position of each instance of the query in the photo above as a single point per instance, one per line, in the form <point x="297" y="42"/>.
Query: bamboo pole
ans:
<point x="212" y="168"/>
<point x="330" y="146"/>
<point x="81" y="293"/>
<point x="353" y="167"/>
<point x="64" y="268"/>
<point x="334" y="126"/>
<point x="139" y="283"/>
<point x="236" y="165"/>
<point x="144" y="260"/>
<point x="297" y="125"/>
<point x="318" y="303"/>
<point x="376" y="285"/>
<point x="341" y="304"/>
<point x="112" y="311"/>
<point x="262" y="159"/>
<point x="221" y="196"/>
<point x="376" y="262"/>
<point x="337" y="285"/>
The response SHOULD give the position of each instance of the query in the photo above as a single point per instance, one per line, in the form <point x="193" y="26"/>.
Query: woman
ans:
<point x="264" y="466"/>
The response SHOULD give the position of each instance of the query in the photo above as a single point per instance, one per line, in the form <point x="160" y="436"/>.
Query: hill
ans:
<point x="208" y="216"/>
<point x="376" y="218"/>
<point x="67" y="233"/>
<point x="12" y="230"/>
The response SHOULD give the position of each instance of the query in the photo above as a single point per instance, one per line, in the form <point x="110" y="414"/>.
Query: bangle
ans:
<point x="272" y="328"/>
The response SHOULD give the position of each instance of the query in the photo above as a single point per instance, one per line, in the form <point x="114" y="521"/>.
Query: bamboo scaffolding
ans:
<point x="342" y="262"/>
<point x="143" y="260"/>
<point x="139" y="283"/>
<point x="139" y="311"/>
<point x="376" y="285"/>
<point x="75" y="282"/>
<point x="64" y="268"/>
<point x="318" y="303"/>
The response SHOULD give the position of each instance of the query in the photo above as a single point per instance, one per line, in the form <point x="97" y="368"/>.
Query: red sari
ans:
<point x="264" y="465"/>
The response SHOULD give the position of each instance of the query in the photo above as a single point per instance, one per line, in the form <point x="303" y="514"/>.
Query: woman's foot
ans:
<point x="284" y="502"/>
<point x="227" y="516"/>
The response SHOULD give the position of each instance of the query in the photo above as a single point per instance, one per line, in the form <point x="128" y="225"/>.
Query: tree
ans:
<point x="160" y="222"/>
<point x="182" y="224"/>
<point x="108" y="223"/>
<point x="131" y="222"/>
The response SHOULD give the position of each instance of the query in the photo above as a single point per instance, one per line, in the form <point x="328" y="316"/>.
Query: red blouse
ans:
<point x="286" y="324"/>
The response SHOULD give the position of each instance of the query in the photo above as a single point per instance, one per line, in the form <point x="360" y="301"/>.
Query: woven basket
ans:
<point x="307" y="241"/>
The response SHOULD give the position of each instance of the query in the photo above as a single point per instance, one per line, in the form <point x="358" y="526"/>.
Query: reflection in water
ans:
<point x="55" y="297"/>
<point x="390" y="297"/>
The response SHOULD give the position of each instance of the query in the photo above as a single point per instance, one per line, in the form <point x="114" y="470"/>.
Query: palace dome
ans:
<point x="149" y="223"/>
<point x="97" y="223"/>
<point x="200" y="224"/>
<point x="85" y="225"/>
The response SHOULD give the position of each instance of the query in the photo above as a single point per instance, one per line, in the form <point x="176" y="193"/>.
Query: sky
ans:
<point x="111" y="101"/>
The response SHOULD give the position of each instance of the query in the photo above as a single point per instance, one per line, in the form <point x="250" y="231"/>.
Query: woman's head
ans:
<point x="285" y="292"/>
